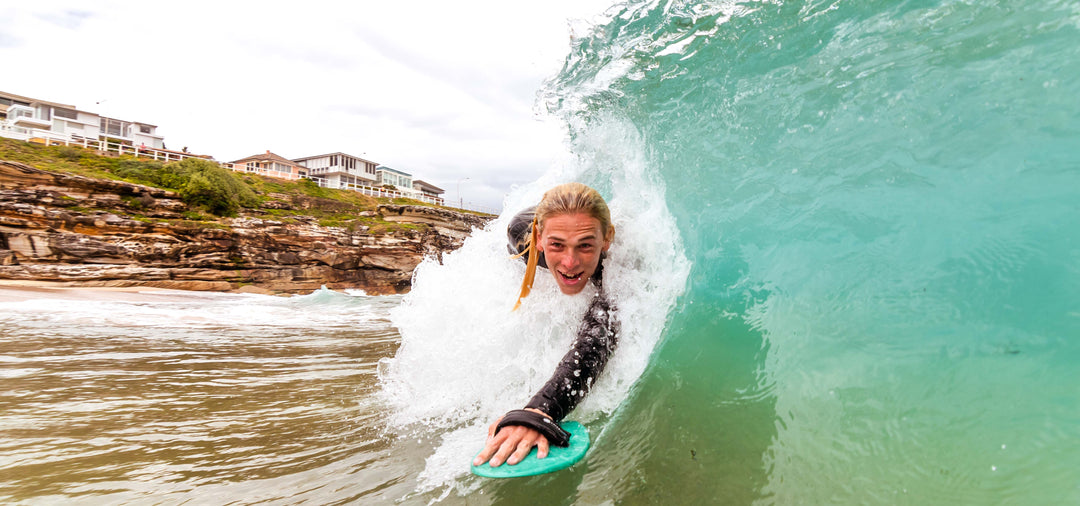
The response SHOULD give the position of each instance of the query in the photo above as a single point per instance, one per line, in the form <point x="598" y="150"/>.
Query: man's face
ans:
<point x="572" y="244"/>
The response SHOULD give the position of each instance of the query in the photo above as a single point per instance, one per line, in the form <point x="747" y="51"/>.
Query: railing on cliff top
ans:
<point x="52" y="139"/>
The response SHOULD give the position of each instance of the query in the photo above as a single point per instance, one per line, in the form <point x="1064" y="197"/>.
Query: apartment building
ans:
<point x="27" y="118"/>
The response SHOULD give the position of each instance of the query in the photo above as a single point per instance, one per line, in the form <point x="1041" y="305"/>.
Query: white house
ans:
<point x="26" y="118"/>
<point x="137" y="134"/>
<point x="386" y="176"/>
<point x="339" y="170"/>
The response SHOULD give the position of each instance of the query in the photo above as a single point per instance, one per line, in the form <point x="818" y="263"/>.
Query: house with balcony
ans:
<point x="131" y="133"/>
<point x="339" y="170"/>
<point x="271" y="165"/>
<point x="429" y="190"/>
<point x="28" y="118"/>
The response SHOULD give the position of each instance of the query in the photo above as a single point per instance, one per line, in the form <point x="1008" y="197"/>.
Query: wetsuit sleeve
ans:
<point x="579" y="368"/>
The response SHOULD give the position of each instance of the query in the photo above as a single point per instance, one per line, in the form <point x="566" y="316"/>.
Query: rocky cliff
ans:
<point x="79" y="231"/>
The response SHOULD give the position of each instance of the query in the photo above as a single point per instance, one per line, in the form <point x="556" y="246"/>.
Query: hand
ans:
<point x="513" y="441"/>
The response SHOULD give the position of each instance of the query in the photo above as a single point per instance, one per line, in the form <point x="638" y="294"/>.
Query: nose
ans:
<point x="570" y="261"/>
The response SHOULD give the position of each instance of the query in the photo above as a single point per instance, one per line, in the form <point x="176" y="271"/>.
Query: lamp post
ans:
<point x="461" y="201"/>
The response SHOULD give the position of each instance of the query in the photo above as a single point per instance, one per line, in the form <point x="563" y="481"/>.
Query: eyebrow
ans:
<point x="591" y="237"/>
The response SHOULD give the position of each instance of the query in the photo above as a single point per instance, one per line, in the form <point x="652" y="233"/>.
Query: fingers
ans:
<point x="541" y="447"/>
<point x="515" y="434"/>
<point x="510" y="445"/>
<point x="494" y="441"/>
<point x="523" y="448"/>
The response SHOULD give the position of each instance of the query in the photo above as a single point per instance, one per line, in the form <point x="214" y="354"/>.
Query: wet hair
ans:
<point x="568" y="198"/>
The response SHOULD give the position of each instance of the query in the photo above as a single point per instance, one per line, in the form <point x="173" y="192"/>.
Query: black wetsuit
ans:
<point x="596" y="338"/>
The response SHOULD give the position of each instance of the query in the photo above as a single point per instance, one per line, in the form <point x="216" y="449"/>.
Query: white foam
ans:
<point x="202" y="310"/>
<point x="465" y="358"/>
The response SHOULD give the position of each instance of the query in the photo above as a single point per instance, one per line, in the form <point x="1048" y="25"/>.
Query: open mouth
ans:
<point x="571" y="279"/>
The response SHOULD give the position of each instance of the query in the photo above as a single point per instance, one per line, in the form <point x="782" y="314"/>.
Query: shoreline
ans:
<point x="21" y="290"/>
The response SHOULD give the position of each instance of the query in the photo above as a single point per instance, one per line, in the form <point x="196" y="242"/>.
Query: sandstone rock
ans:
<point x="44" y="238"/>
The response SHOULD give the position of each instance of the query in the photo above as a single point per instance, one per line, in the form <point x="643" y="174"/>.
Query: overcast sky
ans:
<point x="441" y="90"/>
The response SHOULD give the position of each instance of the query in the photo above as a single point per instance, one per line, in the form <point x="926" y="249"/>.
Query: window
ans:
<point x="65" y="113"/>
<point x="144" y="129"/>
<point x="114" y="127"/>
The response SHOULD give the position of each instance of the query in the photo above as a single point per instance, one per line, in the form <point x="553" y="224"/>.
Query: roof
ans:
<point x="331" y="154"/>
<point x="266" y="156"/>
<point x="395" y="171"/>
<point x="33" y="100"/>
<point x="424" y="185"/>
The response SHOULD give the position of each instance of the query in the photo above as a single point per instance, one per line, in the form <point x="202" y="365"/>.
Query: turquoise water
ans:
<point x="846" y="261"/>
<point x="881" y="203"/>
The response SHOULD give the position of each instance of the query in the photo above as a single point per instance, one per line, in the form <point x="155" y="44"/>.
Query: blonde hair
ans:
<point x="568" y="198"/>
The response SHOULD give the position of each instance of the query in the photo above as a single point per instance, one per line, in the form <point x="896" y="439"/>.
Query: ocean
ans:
<point x="847" y="263"/>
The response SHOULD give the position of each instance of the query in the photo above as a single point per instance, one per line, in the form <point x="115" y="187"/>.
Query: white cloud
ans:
<point x="443" y="90"/>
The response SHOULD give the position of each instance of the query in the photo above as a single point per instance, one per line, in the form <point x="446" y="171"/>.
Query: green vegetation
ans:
<point x="210" y="186"/>
<point x="211" y="191"/>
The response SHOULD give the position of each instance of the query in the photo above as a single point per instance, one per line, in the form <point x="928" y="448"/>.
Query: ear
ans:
<point x="610" y="237"/>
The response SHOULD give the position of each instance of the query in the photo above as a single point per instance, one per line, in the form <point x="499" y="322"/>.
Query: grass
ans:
<point x="331" y="207"/>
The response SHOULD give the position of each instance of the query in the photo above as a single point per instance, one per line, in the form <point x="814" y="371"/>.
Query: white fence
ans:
<point x="52" y="139"/>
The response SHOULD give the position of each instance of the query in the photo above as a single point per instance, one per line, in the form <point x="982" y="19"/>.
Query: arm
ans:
<point x="595" y="341"/>
<point x="586" y="359"/>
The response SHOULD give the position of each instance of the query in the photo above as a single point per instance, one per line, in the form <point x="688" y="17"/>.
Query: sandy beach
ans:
<point x="18" y="290"/>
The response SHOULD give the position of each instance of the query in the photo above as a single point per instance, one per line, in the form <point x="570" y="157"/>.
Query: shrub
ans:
<point x="205" y="184"/>
<point x="144" y="172"/>
<point x="69" y="153"/>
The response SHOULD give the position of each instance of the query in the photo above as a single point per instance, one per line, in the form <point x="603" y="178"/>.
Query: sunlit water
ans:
<point x="173" y="397"/>
<point x="847" y="260"/>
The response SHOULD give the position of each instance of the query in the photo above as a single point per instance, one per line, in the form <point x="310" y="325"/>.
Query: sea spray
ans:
<point x="466" y="359"/>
